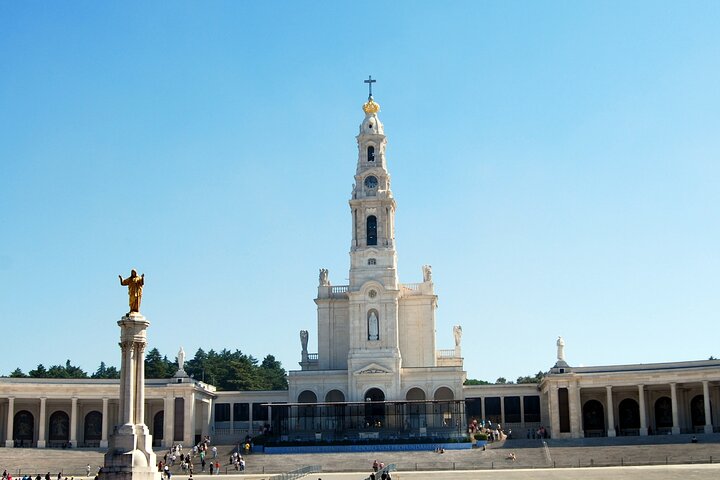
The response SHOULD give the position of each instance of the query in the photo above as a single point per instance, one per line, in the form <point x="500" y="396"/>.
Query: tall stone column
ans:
<point x="9" y="442"/>
<point x="42" y="441"/>
<point x="482" y="408"/>
<point x="610" y="412"/>
<point x="232" y="418"/>
<point x="643" y="412"/>
<point x="575" y="411"/>
<point x="189" y="439"/>
<point x="104" y="435"/>
<point x="130" y="455"/>
<point x="522" y="412"/>
<point x="73" y="422"/>
<point x="554" y="412"/>
<point x="708" y="413"/>
<point x="169" y="421"/>
<point x="502" y="410"/>
<point x="675" y="417"/>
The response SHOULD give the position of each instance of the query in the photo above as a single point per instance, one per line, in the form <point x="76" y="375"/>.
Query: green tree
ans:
<point x="473" y="381"/>
<point x="275" y="377"/>
<point x="17" y="373"/>
<point x="501" y="381"/>
<point x="157" y="366"/>
<point x="106" y="372"/>
<point x="39" y="372"/>
<point x="536" y="379"/>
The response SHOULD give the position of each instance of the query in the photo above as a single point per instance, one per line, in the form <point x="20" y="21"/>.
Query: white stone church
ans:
<point x="378" y="372"/>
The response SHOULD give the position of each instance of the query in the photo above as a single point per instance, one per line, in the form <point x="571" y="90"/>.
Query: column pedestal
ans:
<point x="130" y="455"/>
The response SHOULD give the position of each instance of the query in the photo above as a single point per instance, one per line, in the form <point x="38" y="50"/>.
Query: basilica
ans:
<point x="378" y="372"/>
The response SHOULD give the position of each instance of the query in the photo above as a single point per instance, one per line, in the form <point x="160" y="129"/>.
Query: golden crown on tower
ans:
<point x="371" y="107"/>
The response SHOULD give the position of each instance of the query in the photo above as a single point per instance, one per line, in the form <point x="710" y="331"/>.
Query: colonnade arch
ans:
<point x="59" y="427"/>
<point x="92" y="429"/>
<point x="23" y="427"/>
<point x="593" y="414"/>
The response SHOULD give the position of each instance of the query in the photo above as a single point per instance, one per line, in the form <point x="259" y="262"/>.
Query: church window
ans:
<point x="372" y="230"/>
<point x="371" y="153"/>
<point x="373" y="324"/>
<point x="372" y="261"/>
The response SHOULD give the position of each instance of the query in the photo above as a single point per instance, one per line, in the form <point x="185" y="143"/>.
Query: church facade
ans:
<point x="378" y="371"/>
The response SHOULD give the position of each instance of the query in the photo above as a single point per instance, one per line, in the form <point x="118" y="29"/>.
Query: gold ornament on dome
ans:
<point x="371" y="107"/>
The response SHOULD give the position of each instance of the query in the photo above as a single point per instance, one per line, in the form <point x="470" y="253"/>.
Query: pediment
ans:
<point x="372" y="368"/>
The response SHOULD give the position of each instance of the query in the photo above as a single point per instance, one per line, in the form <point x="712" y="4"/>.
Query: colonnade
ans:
<point x="567" y="400"/>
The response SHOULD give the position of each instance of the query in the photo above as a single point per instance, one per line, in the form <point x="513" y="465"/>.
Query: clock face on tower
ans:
<point x="371" y="182"/>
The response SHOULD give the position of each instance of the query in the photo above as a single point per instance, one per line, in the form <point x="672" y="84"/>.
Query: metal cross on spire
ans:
<point x="370" y="81"/>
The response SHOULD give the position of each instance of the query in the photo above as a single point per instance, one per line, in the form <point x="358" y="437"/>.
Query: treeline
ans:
<point x="503" y="381"/>
<point x="225" y="370"/>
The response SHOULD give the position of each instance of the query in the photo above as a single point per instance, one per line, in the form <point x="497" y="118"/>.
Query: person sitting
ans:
<point x="510" y="456"/>
<point x="693" y="439"/>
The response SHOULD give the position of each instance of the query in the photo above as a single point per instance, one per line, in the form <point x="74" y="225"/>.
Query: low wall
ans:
<point x="427" y="447"/>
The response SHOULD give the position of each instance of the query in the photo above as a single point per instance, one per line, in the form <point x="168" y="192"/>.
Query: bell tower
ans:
<point x="372" y="252"/>
<point x="374" y="291"/>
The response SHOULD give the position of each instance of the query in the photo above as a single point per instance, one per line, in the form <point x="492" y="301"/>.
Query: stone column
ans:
<point x="575" y="411"/>
<point x="206" y="414"/>
<point x="232" y="418"/>
<point x="522" y="412"/>
<point x="169" y="421"/>
<point x="482" y="408"/>
<point x="9" y="442"/>
<point x="73" y="422"/>
<point x="708" y="413"/>
<point x="250" y="418"/>
<point x="189" y="437"/>
<point x="554" y="413"/>
<point x="610" y="412"/>
<point x="139" y="352"/>
<point x="502" y="410"/>
<point x="673" y="399"/>
<point x="42" y="442"/>
<point x="130" y="455"/>
<point x="643" y="412"/>
<point x="104" y="436"/>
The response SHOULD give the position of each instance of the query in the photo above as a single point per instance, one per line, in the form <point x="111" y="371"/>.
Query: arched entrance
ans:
<point x="158" y="428"/>
<point x="59" y="427"/>
<point x="629" y="417"/>
<point x="416" y="412"/>
<point x="23" y="428"/>
<point x="593" y="419"/>
<point x="92" y="431"/>
<point x="335" y="414"/>
<point x="374" y="408"/>
<point x="443" y="410"/>
<point x="697" y="411"/>
<point x="663" y="413"/>
<point x="306" y="415"/>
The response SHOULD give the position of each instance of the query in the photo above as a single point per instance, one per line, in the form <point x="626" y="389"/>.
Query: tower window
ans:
<point x="372" y="230"/>
<point x="371" y="153"/>
<point x="372" y="261"/>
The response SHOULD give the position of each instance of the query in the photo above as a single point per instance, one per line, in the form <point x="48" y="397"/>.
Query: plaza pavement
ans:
<point x="685" y="461"/>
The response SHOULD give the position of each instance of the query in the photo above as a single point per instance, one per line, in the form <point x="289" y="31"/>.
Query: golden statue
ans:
<point x="135" y="286"/>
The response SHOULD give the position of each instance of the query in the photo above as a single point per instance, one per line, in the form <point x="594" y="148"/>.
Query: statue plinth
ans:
<point x="130" y="455"/>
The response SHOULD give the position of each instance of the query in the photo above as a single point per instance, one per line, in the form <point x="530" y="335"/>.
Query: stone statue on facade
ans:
<point x="324" y="281"/>
<point x="427" y="273"/>
<point x="457" y="333"/>
<point x="373" y="326"/>
<point x="181" y="360"/>
<point x="135" y="288"/>
<point x="560" y="349"/>
<point x="304" y="340"/>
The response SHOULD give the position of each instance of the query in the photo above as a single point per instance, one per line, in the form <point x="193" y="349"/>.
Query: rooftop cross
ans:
<point x="370" y="81"/>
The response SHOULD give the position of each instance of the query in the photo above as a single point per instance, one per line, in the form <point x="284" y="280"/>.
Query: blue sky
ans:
<point x="557" y="163"/>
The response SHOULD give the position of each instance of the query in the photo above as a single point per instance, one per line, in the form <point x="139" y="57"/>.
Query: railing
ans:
<point x="300" y="472"/>
<point x="445" y="353"/>
<point x="339" y="291"/>
<point x="312" y="357"/>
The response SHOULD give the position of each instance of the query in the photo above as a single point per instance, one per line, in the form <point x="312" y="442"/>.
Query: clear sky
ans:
<point x="557" y="163"/>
